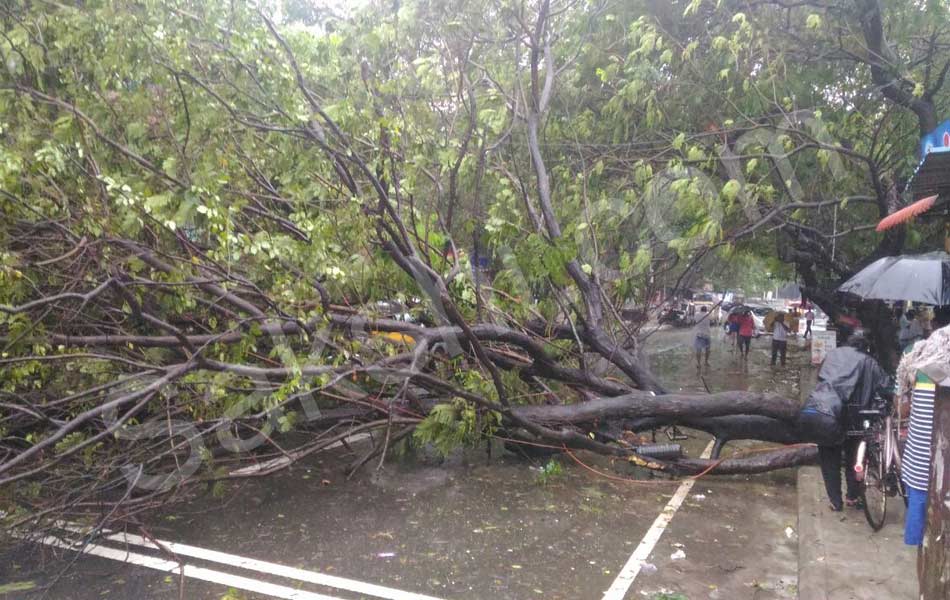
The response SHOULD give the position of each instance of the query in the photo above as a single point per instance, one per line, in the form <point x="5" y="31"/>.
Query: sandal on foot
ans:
<point x="854" y="502"/>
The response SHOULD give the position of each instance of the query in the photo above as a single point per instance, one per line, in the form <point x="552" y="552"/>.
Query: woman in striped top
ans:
<point x="917" y="458"/>
<point x="915" y="463"/>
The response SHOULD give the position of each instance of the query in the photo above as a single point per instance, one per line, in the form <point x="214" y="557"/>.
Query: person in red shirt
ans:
<point x="746" y="331"/>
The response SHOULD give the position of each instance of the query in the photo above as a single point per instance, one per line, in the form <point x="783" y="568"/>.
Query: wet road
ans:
<point x="470" y="530"/>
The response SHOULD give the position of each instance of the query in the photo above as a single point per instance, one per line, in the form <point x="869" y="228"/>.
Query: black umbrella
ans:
<point x="921" y="278"/>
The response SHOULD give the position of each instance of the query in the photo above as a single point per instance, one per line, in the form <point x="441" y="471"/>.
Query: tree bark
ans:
<point x="933" y="563"/>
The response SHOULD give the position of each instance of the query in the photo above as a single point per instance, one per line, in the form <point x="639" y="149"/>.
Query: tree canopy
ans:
<point x="210" y="211"/>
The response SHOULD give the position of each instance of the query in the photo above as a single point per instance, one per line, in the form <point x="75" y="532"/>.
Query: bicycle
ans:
<point x="877" y="463"/>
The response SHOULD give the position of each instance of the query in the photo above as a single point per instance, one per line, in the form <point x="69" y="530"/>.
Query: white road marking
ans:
<point x="261" y="566"/>
<point x="173" y="568"/>
<point x="621" y="585"/>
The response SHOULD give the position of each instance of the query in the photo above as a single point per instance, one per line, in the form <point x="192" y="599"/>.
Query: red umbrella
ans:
<point x="907" y="213"/>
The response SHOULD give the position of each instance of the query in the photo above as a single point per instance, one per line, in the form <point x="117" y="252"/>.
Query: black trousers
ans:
<point x="830" y="458"/>
<point x="807" y="330"/>
<point x="779" y="347"/>
<point x="745" y="342"/>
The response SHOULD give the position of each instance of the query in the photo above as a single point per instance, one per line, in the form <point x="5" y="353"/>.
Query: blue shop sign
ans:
<point x="937" y="140"/>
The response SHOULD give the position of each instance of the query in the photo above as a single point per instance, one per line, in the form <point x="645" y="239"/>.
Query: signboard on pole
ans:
<point x="822" y="342"/>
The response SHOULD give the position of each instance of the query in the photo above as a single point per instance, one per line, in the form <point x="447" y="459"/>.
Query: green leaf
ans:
<point x="679" y="140"/>
<point x="692" y="8"/>
<point x="169" y="165"/>
<point x="731" y="190"/>
<point x="17" y="586"/>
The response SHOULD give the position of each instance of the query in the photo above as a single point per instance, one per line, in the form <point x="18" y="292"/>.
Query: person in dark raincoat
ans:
<point x="849" y="381"/>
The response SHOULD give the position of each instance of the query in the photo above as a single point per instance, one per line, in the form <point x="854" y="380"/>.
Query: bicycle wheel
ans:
<point x="875" y="490"/>
<point x="895" y="483"/>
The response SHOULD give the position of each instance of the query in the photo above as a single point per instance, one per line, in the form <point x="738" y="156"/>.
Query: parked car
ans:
<point x="675" y="316"/>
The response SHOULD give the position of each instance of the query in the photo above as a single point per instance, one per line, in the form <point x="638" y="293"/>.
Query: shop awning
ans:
<point x="907" y="213"/>
<point x="932" y="177"/>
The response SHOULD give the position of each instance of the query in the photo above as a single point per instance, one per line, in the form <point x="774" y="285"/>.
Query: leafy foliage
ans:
<point x="451" y="425"/>
<point x="208" y="209"/>
<point x="551" y="470"/>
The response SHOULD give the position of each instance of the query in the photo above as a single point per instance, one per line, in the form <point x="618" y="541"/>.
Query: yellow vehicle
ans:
<point x="396" y="311"/>
<point x="711" y="304"/>
<point x="394" y="337"/>
<point x="791" y="321"/>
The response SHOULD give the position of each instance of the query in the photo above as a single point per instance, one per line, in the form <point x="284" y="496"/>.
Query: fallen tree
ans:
<point x="231" y="243"/>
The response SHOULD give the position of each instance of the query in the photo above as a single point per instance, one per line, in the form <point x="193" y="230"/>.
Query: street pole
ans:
<point x="834" y="234"/>
<point x="933" y="562"/>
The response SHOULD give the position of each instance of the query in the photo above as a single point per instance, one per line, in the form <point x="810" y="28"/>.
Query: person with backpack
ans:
<point x="849" y="381"/>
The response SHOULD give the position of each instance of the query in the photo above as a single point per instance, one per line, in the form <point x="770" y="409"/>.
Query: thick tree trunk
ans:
<point x="671" y="406"/>
<point x="727" y="416"/>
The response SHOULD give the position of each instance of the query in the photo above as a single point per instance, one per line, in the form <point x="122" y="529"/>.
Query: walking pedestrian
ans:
<point x="746" y="331"/>
<point x="809" y="318"/>
<point x="732" y="330"/>
<point x="779" y="338"/>
<point x="902" y="323"/>
<point x="702" y="341"/>
<point x="911" y="330"/>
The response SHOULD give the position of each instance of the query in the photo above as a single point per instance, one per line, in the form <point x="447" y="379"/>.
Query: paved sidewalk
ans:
<point x="841" y="558"/>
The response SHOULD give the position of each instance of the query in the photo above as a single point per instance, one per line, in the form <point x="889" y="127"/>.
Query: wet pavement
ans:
<point x="844" y="559"/>
<point x="739" y="534"/>
<point x="739" y="537"/>
<point x="469" y="529"/>
<point x="672" y="359"/>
